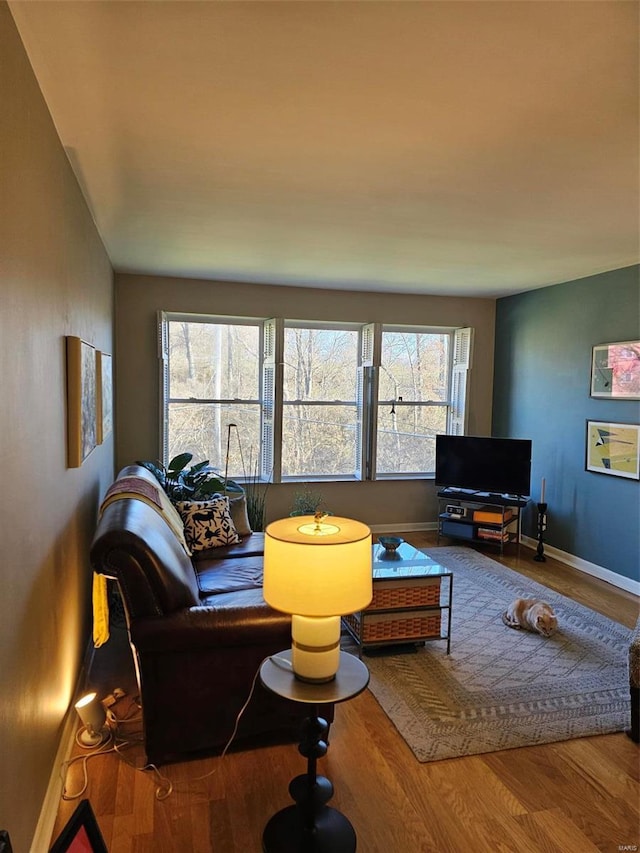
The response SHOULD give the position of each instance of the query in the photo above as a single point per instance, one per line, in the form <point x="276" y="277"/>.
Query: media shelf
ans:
<point x="480" y="517"/>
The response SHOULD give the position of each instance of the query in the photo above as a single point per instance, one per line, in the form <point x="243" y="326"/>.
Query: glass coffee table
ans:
<point x="412" y="597"/>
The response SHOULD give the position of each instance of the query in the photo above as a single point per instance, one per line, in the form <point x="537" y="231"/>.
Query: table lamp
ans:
<point x="317" y="568"/>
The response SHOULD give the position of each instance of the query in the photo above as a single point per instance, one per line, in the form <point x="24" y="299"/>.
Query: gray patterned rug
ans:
<point x="500" y="688"/>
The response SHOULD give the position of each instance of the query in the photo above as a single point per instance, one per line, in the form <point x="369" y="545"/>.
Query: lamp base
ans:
<point x="286" y="832"/>
<point x="315" y="648"/>
<point x="311" y="826"/>
<point x="309" y="680"/>
<point x="89" y="740"/>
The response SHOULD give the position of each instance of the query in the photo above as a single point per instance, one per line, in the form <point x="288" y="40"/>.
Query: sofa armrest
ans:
<point x="236" y="619"/>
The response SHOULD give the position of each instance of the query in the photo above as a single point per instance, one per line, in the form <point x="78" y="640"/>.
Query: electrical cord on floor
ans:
<point x="117" y="744"/>
<point x="103" y="749"/>
<point x="237" y="723"/>
<point x="113" y="743"/>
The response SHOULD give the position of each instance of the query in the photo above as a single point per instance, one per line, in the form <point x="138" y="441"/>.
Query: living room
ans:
<point x="530" y="375"/>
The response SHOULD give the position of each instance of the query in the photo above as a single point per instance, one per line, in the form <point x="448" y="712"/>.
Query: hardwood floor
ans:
<point x="576" y="796"/>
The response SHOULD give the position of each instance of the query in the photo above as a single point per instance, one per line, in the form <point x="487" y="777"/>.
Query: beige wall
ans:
<point x="138" y="298"/>
<point x="55" y="280"/>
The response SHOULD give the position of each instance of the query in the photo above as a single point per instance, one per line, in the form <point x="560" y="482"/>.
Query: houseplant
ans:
<point x="256" y="491"/>
<point x="305" y="501"/>
<point x="196" y="483"/>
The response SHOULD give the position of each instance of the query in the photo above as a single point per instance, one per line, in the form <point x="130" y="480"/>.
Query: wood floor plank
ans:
<point x="124" y="792"/>
<point x="455" y="793"/>
<point x="124" y="834"/>
<point x="142" y="805"/>
<point x="370" y="787"/>
<point x="220" y="826"/>
<point x="484" y="792"/>
<point x="552" y="780"/>
<point x="621" y="750"/>
<point x="600" y="771"/>
<point x="550" y="831"/>
<point x="163" y="831"/>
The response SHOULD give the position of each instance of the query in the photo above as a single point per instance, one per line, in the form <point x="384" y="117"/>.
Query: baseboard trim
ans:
<point x="49" y="812"/>
<point x="585" y="566"/>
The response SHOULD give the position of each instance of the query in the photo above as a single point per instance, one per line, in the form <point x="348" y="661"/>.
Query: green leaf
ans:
<point x="196" y="483"/>
<point x="179" y="462"/>
<point x="208" y="488"/>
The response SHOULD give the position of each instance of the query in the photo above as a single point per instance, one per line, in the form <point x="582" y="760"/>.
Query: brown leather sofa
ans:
<point x="199" y="629"/>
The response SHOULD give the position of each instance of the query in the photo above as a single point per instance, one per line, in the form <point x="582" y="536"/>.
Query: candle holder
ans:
<point x="542" y="526"/>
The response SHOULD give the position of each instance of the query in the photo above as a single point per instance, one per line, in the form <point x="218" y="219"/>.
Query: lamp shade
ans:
<point x="317" y="567"/>
<point x="91" y="711"/>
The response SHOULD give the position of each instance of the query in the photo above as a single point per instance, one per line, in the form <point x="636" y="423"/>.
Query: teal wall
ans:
<point x="541" y="391"/>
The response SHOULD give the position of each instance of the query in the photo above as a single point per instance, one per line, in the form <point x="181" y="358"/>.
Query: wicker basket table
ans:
<point x="409" y="598"/>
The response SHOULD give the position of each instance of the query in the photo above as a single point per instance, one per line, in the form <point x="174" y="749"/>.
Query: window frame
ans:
<point x="411" y="329"/>
<point x="166" y="317"/>
<point x="272" y="404"/>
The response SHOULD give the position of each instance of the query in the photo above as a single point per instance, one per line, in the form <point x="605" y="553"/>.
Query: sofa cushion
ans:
<point x="207" y="524"/>
<point x="250" y="546"/>
<point x="218" y="576"/>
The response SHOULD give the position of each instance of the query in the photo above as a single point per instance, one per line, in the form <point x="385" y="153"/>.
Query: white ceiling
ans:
<point x="463" y="148"/>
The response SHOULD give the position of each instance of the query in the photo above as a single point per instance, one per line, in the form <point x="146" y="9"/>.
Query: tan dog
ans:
<point x="532" y="615"/>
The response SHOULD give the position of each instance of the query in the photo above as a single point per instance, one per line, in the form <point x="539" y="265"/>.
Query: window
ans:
<point x="211" y="378"/>
<point x="311" y="400"/>
<point x="319" y="414"/>
<point x="413" y="385"/>
<point x="413" y="399"/>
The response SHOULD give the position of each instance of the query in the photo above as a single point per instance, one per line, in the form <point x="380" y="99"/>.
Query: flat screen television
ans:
<point x="499" y="466"/>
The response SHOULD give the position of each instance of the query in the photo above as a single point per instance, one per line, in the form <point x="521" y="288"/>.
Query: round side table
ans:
<point x="311" y="826"/>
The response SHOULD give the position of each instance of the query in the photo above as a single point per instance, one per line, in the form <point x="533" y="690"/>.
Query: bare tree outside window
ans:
<point x="319" y="402"/>
<point x="214" y="380"/>
<point x="348" y="400"/>
<point x="412" y="396"/>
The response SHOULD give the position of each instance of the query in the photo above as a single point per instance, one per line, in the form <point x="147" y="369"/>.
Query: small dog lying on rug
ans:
<point x="532" y="615"/>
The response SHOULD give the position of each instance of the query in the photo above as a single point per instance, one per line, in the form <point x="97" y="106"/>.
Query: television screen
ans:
<point x="497" y="465"/>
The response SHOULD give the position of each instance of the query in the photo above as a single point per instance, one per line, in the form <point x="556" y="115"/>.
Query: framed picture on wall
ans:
<point x="81" y="834"/>
<point x="104" y="397"/>
<point x="615" y="371"/>
<point x="81" y="401"/>
<point x="613" y="449"/>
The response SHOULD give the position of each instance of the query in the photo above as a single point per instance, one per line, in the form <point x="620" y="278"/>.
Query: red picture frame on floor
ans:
<point x="81" y="833"/>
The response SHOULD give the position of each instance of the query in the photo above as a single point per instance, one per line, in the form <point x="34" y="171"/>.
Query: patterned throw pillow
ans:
<point x="207" y="524"/>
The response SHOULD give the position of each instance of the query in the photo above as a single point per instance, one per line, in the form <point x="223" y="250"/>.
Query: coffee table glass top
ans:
<point x="405" y="562"/>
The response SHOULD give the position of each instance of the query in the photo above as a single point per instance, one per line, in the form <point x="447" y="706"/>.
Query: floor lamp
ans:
<point x="317" y="568"/>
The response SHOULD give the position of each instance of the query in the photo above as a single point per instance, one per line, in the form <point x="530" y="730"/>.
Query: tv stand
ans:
<point x="480" y="517"/>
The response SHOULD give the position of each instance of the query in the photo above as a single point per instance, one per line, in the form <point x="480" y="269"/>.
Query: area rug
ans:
<point x="501" y="688"/>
